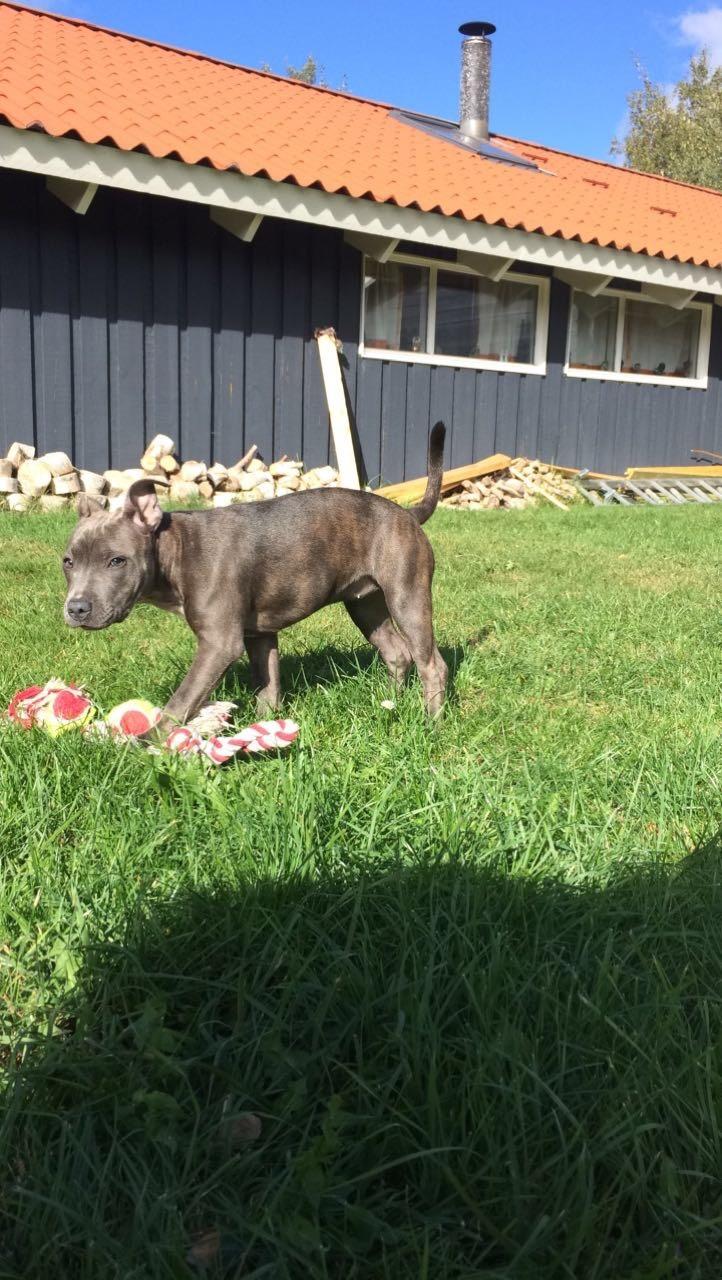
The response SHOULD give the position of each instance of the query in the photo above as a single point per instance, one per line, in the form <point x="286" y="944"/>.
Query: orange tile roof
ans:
<point x="71" y="78"/>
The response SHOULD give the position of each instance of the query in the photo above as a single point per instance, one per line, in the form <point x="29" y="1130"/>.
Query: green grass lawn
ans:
<point x="400" y="1003"/>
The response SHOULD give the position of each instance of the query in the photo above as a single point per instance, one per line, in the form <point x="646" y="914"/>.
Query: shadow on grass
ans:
<point x="327" y="665"/>
<point x="441" y="1071"/>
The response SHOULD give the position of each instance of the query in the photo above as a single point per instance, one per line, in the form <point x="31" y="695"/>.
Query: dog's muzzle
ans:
<point x="77" y="611"/>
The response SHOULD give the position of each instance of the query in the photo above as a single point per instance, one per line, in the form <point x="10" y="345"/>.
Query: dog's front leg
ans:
<point x="265" y="671"/>
<point x="213" y="658"/>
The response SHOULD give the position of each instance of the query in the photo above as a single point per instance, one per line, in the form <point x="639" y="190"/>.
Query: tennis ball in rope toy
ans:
<point x="133" y="718"/>
<point x="54" y="707"/>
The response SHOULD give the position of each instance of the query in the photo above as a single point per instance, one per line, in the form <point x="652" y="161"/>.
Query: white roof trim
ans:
<point x="583" y="281"/>
<point x="379" y="248"/>
<point x="78" y="196"/>
<point x="242" y="225"/>
<point x="677" y="298"/>
<point x="485" y="264"/>
<point x="36" y="152"/>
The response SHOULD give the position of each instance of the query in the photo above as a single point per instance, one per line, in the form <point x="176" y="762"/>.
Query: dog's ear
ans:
<point x="141" y="506"/>
<point x="86" y="506"/>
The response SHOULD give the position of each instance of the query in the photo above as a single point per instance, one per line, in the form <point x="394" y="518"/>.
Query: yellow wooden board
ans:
<point x="410" y="490"/>
<point x="635" y="473"/>
<point x="591" y="475"/>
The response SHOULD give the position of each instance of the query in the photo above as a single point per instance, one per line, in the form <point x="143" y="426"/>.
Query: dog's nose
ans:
<point x="78" y="609"/>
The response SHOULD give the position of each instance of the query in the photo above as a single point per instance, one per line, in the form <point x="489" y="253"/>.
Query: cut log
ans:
<point x="17" y="502"/>
<point x="285" y="468"/>
<point x="53" y="502"/>
<point x="34" y="478"/>
<point x="19" y="453"/>
<point x="252" y="479"/>
<point x="159" y="446"/>
<point x="169" y="464"/>
<point x="217" y="474"/>
<point x="63" y="486"/>
<point x="120" y="481"/>
<point x="92" y="483"/>
<point x="58" y="463"/>
<point x="192" y="472"/>
<point x="6" y="467"/>
<point x="183" y="490"/>
<point x="538" y="489"/>
<point x="8" y="484"/>
<point x="205" y="488"/>
<point x="244" y="461"/>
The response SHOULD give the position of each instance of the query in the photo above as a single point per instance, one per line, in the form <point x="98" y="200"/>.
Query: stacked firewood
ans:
<point x="52" y="482"/>
<point x="522" y="483"/>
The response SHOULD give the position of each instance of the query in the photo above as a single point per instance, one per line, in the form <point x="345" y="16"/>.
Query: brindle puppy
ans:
<point x="239" y="574"/>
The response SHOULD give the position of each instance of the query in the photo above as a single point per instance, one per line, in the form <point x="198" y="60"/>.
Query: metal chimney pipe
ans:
<point x="475" y="78"/>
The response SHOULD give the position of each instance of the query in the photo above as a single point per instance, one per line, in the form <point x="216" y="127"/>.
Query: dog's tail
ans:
<point x="427" y="506"/>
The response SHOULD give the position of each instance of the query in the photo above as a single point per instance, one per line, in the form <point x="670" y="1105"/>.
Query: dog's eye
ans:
<point x="117" y="561"/>
<point x="68" y="562"/>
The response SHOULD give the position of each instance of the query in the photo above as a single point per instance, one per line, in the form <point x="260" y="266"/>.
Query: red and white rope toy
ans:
<point x="56" y="707"/>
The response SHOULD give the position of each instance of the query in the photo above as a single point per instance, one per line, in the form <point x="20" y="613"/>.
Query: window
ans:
<point x="448" y="314"/>
<point x="618" y="335"/>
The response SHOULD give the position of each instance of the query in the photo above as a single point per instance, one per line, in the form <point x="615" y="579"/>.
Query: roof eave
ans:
<point x="37" y="152"/>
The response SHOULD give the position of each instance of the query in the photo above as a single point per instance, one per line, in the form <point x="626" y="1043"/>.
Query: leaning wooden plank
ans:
<point x="684" y="488"/>
<point x="328" y="348"/>
<point x="590" y="494"/>
<point x="653" y="473"/>
<point x="593" y="497"/>
<point x="710" y="488"/>
<point x="667" y="491"/>
<point x="613" y="494"/>
<point x="409" y="490"/>
<point x="645" y="494"/>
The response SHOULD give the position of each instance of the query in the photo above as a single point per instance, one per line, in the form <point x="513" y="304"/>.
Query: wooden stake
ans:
<point x="328" y="346"/>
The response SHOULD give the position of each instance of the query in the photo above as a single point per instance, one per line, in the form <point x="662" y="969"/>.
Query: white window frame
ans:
<point x="434" y="266"/>
<point x="698" y="382"/>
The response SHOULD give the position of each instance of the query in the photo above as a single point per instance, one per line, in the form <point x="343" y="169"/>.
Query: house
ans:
<point x="174" y="228"/>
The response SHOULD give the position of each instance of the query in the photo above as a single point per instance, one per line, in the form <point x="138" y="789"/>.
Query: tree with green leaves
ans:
<point x="310" y="72"/>
<point x="677" y="133"/>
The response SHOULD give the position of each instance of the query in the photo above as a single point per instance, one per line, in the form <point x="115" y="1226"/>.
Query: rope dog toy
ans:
<point x="56" y="707"/>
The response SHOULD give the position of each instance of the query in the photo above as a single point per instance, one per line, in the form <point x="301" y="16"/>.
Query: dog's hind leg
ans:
<point x="265" y="670"/>
<point x="372" y="618"/>
<point x="410" y="607"/>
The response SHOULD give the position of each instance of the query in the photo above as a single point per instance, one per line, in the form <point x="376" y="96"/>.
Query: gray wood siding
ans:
<point x="143" y="316"/>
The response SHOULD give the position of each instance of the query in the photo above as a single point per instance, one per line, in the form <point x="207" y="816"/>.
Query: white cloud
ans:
<point x="703" y="30"/>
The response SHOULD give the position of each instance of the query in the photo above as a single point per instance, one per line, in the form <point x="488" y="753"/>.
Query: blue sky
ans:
<point x="561" y="72"/>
